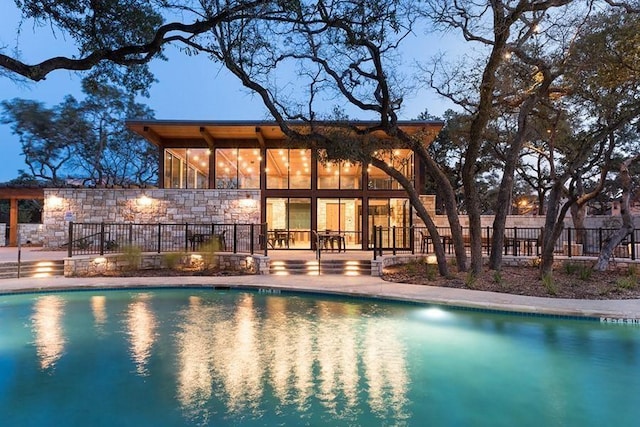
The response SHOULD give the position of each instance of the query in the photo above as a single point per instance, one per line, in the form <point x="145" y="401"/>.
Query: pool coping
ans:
<point x="609" y="311"/>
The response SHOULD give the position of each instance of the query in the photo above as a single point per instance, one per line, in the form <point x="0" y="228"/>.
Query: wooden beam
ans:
<point x="207" y="137"/>
<point x="25" y="193"/>
<point x="260" y="137"/>
<point x="152" y="136"/>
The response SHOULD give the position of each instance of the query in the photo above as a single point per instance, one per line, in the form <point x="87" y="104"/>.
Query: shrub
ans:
<point x="627" y="282"/>
<point x="584" y="272"/>
<point x="208" y="251"/>
<point x="570" y="267"/>
<point x="497" y="277"/>
<point x="133" y="256"/>
<point x="470" y="280"/>
<point x="411" y="267"/>
<point x="431" y="271"/>
<point x="172" y="259"/>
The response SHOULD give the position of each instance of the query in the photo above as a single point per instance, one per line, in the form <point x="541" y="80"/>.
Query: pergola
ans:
<point x="13" y="194"/>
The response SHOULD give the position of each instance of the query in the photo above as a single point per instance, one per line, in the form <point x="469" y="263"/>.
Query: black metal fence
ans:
<point x="104" y="238"/>
<point x="517" y="242"/>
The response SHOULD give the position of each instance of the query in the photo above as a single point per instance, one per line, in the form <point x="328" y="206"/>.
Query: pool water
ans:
<point x="177" y="357"/>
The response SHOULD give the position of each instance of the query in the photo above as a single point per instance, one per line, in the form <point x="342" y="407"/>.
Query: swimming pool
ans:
<point x="224" y="357"/>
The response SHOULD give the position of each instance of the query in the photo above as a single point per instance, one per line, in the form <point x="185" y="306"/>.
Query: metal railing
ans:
<point x="104" y="238"/>
<point x="518" y="241"/>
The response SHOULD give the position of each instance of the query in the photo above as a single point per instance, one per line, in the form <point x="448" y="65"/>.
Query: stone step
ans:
<point x="9" y="270"/>
<point x="344" y="267"/>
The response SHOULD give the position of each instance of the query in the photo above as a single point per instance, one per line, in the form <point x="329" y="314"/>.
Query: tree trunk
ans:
<point x="627" y="221"/>
<point x="421" y="211"/>
<point x="552" y="230"/>
<point x="506" y="184"/>
<point x="450" y="205"/>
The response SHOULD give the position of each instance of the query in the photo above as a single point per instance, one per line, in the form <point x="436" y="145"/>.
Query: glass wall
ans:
<point x="186" y="168"/>
<point x="339" y="175"/>
<point x="389" y="213"/>
<point x="238" y="168"/>
<point x="341" y="215"/>
<point x="289" y="222"/>
<point x="288" y="168"/>
<point x="401" y="160"/>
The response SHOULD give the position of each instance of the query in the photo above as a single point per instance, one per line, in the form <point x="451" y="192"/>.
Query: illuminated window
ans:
<point x="238" y="167"/>
<point x="288" y="168"/>
<point x="339" y="175"/>
<point x="186" y="168"/>
<point x="401" y="160"/>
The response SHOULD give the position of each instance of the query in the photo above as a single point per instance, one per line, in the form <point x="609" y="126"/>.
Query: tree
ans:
<point x="500" y="28"/>
<point x="116" y="39"/>
<point x="340" y="50"/>
<point x="48" y="136"/>
<point x="86" y="140"/>
<point x="602" y="78"/>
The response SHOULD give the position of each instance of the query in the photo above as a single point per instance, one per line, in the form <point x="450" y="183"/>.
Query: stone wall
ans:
<point x="520" y="221"/>
<point x="168" y="206"/>
<point x="30" y="234"/>
<point x="95" y="265"/>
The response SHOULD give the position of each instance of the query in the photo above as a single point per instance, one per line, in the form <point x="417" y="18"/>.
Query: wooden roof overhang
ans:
<point x="21" y="193"/>
<point x="179" y="133"/>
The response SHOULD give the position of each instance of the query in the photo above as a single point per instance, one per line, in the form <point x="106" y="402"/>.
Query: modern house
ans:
<point x="291" y="189"/>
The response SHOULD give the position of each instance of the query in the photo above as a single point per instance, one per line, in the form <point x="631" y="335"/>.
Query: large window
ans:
<point x="288" y="168"/>
<point x="389" y="213"/>
<point x="238" y="168"/>
<point x="186" y="168"/>
<point x="343" y="215"/>
<point x="289" y="222"/>
<point x="402" y="160"/>
<point x="339" y="175"/>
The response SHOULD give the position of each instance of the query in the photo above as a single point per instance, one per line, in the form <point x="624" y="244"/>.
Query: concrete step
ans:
<point x="311" y="268"/>
<point x="9" y="270"/>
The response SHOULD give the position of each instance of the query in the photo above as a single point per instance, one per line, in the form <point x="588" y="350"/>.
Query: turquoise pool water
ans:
<point x="201" y="357"/>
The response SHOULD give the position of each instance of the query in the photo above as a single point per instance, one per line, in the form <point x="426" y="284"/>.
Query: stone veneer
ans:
<point x="144" y="206"/>
<point x="30" y="234"/>
<point x="94" y="265"/>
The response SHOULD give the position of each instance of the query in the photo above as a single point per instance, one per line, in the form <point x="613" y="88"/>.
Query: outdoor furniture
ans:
<point x="280" y="238"/>
<point x="425" y="242"/>
<point x="331" y="240"/>
<point x="196" y="239"/>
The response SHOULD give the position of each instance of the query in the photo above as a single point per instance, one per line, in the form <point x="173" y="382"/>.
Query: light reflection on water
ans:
<point x="47" y="327"/>
<point x="197" y="357"/>
<point x="141" y="327"/>
<point x="242" y="355"/>
<point x="99" y="309"/>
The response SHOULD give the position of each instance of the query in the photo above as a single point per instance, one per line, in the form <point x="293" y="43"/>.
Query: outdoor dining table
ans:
<point x="328" y="240"/>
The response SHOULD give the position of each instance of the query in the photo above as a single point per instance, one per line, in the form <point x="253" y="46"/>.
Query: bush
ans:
<point x="585" y="271"/>
<point x="571" y="268"/>
<point x="172" y="259"/>
<point x="470" y="280"/>
<point x="497" y="277"/>
<point x="133" y="256"/>
<point x="431" y="271"/>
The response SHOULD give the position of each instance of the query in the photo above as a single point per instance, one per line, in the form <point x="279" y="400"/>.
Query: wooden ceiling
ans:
<point x="167" y="132"/>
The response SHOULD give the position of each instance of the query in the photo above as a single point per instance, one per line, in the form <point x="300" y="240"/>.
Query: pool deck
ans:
<point x="364" y="286"/>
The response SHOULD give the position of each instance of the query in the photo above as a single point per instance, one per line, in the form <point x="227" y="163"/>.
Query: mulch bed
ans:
<point x="568" y="282"/>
